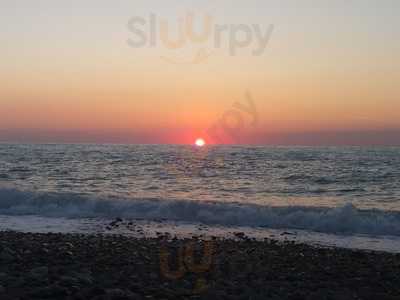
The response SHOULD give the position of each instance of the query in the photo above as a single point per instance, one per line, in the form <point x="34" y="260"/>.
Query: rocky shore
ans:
<point x="71" y="266"/>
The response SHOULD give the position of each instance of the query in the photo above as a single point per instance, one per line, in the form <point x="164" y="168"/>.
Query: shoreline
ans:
<point x="77" y="266"/>
<point x="141" y="228"/>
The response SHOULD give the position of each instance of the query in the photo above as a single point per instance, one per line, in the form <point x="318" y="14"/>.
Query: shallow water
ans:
<point x="152" y="229"/>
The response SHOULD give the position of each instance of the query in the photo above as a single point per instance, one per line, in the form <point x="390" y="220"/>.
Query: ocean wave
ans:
<point x="344" y="220"/>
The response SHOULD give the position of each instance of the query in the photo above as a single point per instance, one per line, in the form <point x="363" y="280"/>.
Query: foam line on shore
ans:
<point x="346" y="219"/>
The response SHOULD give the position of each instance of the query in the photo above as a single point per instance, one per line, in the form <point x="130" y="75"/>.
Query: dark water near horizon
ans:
<point x="326" y="189"/>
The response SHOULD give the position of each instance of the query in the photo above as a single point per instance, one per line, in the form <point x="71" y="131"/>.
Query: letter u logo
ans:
<point x="194" y="37"/>
<point x="205" y="262"/>
<point x="165" y="38"/>
<point x="165" y="268"/>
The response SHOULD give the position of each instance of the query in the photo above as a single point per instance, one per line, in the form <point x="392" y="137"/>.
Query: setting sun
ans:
<point x="200" y="143"/>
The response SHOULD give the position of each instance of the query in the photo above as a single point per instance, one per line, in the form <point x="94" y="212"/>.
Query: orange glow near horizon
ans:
<point x="332" y="84"/>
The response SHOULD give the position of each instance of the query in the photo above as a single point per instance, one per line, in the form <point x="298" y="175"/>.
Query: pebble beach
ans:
<point x="78" y="266"/>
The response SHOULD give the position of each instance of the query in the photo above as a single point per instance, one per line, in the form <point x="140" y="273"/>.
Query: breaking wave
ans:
<point x="344" y="220"/>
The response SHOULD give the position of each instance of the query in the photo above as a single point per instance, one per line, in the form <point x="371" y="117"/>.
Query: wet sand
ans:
<point x="72" y="266"/>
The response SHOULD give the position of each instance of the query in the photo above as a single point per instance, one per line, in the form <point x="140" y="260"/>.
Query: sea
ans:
<point x="327" y="196"/>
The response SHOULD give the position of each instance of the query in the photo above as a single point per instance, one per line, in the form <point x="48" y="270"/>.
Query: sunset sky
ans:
<point x="330" y="73"/>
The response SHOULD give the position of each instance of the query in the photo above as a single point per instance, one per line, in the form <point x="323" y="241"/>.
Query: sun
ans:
<point x="200" y="142"/>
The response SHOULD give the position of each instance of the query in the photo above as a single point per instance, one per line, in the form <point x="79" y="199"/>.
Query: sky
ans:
<point x="129" y="71"/>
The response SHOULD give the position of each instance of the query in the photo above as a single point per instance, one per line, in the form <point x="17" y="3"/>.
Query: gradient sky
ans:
<point x="330" y="74"/>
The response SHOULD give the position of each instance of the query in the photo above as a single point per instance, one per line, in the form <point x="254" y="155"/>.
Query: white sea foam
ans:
<point x="346" y="219"/>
